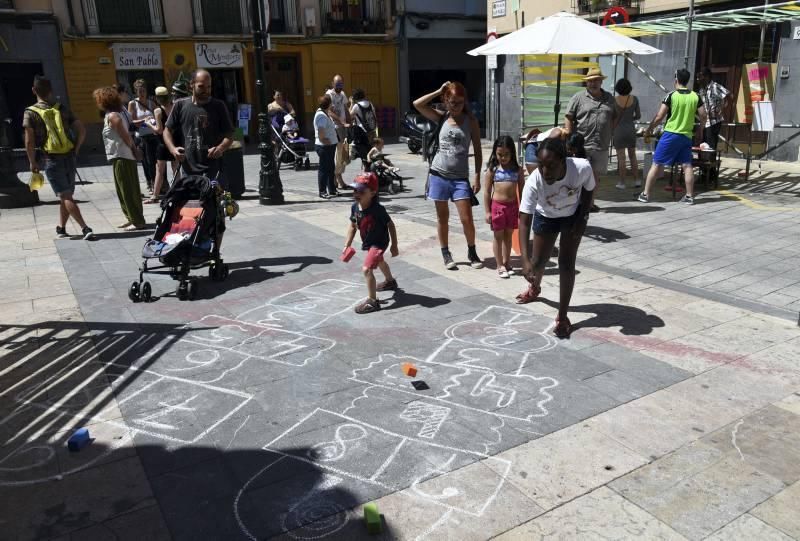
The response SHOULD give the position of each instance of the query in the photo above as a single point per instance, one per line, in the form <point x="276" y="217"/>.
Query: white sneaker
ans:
<point x="643" y="198"/>
<point x="620" y="185"/>
<point x="687" y="200"/>
<point x="502" y="273"/>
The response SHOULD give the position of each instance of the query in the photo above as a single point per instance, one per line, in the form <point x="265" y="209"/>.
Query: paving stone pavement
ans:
<point x="267" y="409"/>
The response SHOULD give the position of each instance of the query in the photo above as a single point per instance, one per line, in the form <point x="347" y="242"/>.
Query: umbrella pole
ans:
<point x="557" y="106"/>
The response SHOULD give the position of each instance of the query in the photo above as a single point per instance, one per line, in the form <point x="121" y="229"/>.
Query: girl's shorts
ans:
<point x="505" y="215"/>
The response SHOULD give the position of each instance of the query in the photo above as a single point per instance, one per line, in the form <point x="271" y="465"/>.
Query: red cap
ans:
<point x="366" y="180"/>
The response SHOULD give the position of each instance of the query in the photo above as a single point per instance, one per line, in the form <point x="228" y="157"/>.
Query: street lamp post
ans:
<point x="270" y="188"/>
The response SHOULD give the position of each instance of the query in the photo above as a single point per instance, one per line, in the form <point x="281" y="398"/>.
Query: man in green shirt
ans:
<point x="675" y="146"/>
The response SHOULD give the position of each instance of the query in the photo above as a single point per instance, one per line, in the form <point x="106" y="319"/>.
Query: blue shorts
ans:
<point x="673" y="148"/>
<point x="60" y="172"/>
<point x="530" y="153"/>
<point x="543" y="225"/>
<point x="442" y="189"/>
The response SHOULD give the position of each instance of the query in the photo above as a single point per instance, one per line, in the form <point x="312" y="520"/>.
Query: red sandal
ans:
<point x="529" y="295"/>
<point x="563" y="328"/>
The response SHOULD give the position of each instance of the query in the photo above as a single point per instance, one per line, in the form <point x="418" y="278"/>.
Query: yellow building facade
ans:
<point x="301" y="70"/>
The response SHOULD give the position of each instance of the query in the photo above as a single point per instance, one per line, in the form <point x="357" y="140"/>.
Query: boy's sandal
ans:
<point x="368" y="306"/>
<point x="388" y="285"/>
<point x="529" y="295"/>
<point x="502" y="273"/>
<point x="563" y="328"/>
<point x="151" y="201"/>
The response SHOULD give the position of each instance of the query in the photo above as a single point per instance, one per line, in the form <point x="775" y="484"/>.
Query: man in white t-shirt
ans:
<point x="340" y="113"/>
<point x="556" y="200"/>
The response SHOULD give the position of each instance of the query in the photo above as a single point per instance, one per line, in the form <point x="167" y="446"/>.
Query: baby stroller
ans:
<point x="289" y="150"/>
<point x="187" y="237"/>
<point x="386" y="175"/>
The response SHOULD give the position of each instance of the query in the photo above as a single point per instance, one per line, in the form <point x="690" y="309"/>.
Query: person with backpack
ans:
<point x="47" y="124"/>
<point x="363" y="114"/>
<point x="448" y="178"/>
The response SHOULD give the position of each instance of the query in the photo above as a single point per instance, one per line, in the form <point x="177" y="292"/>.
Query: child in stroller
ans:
<point x="378" y="163"/>
<point x="290" y="148"/>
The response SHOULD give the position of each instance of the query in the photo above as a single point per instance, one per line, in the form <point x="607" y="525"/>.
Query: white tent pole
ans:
<point x="763" y="34"/>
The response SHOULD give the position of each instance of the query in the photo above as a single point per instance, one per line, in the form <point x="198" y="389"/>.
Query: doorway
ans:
<point x="226" y="85"/>
<point x="281" y="73"/>
<point x="16" y="80"/>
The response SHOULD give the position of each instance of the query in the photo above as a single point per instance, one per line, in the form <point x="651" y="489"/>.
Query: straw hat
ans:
<point x="162" y="91"/>
<point x="594" y="73"/>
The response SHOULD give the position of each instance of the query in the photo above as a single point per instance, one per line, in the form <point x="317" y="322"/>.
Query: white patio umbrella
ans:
<point x="563" y="33"/>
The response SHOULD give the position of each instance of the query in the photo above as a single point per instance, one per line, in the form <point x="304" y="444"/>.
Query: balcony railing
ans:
<point x="353" y="16"/>
<point x="129" y="17"/>
<point x="6" y="4"/>
<point x="585" y="7"/>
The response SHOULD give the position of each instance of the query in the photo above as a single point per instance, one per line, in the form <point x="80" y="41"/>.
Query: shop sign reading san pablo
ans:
<point x="218" y="55"/>
<point x="137" y="56"/>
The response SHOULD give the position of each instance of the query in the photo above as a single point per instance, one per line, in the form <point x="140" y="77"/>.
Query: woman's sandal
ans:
<point x="151" y="201"/>
<point x="563" y="328"/>
<point x="368" y="306"/>
<point x="529" y="295"/>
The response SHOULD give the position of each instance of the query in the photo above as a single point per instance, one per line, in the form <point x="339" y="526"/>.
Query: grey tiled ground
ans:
<point x="277" y="409"/>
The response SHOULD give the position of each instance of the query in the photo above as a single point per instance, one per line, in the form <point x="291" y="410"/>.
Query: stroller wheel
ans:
<point x="307" y="164"/>
<point x="146" y="292"/>
<point x="133" y="292"/>
<point x="225" y="272"/>
<point x="193" y="289"/>
<point x="298" y="166"/>
<point x="182" y="291"/>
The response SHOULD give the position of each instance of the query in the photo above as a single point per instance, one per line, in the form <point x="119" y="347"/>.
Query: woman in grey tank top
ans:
<point x="449" y="178"/>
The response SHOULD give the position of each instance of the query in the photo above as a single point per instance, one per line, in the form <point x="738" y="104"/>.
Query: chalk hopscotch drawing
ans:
<point x="431" y="416"/>
<point x="480" y="371"/>
<point x="361" y="452"/>
<point x="480" y="367"/>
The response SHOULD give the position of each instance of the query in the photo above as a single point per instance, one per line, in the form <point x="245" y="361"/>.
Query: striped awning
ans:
<point x="719" y="20"/>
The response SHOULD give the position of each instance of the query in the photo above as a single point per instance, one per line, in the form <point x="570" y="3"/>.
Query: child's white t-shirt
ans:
<point x="561" y="198"/>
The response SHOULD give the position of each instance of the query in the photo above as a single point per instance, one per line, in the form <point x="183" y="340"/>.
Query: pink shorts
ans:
<point x="374" y="257"/>
<point x="505" y="215"/>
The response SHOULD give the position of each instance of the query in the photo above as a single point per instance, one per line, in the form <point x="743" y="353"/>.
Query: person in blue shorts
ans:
<point x="679" y="108"/>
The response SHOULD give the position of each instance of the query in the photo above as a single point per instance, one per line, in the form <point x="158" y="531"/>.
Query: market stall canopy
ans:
<point x="567" y="34"/>
<point x="717" y="20"/>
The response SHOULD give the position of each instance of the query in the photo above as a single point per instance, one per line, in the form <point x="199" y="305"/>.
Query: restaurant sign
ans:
<point x="137" y="56"/>
<point x="218" y="55"/>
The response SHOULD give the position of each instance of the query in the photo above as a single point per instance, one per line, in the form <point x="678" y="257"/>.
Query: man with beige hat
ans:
<point x="592" y="112"/>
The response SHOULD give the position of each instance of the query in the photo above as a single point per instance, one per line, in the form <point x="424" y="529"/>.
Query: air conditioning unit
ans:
<point x="310" y="17"/>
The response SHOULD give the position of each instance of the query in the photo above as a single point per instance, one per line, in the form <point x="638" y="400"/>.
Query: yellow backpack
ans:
<point x="57" y="140"/>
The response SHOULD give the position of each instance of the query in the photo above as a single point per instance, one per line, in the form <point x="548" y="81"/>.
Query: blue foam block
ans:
<point x="79" y="440"/>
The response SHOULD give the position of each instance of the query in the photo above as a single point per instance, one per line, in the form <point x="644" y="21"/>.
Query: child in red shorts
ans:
<point x="502" y="188"/>
<point x="370" y="218"/>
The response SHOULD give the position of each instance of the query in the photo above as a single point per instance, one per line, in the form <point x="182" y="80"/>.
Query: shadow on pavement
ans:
<point x="403" y="299"/>
<point x="631" y="320"/>
<point x="246" y="273"/>
<point x="640" y="209"/>
<point x="604" y="235"/>
<point x="155" y="456"/>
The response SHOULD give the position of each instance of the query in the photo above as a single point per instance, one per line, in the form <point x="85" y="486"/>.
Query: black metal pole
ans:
<point x="557" y="106"/>
<point x="270" y="188"/>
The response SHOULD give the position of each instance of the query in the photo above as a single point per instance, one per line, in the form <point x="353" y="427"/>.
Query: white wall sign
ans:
<point x="218" y="55"/>
<point x="498" y="8"/>
<point x="491" y="60"/>
<point x="796" y="32"/>
<point x="137" y="56"/>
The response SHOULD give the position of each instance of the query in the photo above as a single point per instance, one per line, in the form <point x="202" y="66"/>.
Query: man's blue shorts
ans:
<point x="443" y="189"/>
<point x="673" y="148"/>
<point x="60" y="172"/>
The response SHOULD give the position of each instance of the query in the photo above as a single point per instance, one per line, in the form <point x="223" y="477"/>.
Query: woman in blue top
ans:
<point x="449" y="172"/>
<point x="325" y="145"/>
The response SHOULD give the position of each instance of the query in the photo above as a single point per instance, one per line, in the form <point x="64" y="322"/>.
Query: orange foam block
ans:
<point x="409" y="370"/>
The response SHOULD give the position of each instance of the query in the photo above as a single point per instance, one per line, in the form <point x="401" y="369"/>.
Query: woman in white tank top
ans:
<point x="141" y="110"/>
